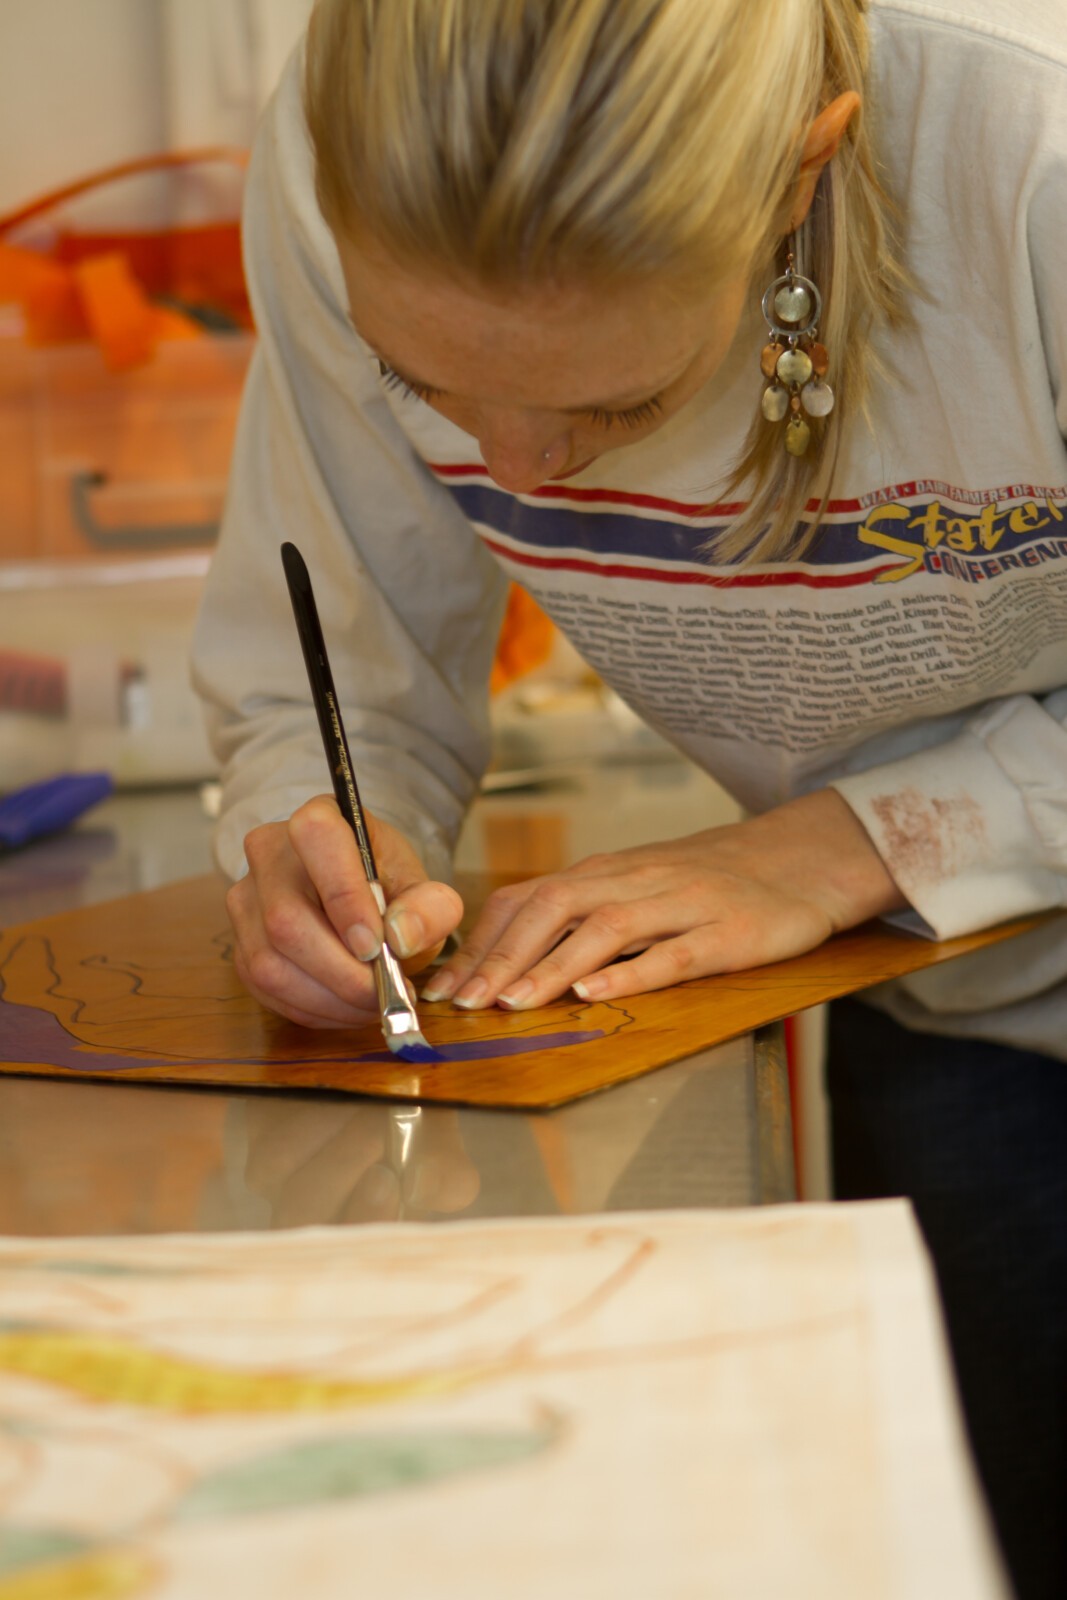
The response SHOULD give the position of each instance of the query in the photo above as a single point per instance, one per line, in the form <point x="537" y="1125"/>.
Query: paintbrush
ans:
<point x="400" y="1022"/>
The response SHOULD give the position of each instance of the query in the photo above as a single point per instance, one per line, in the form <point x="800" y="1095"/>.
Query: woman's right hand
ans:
<point x="307" y="924"/>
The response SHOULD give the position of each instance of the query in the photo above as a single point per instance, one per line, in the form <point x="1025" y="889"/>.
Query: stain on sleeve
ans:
<point x="928" y="840"/>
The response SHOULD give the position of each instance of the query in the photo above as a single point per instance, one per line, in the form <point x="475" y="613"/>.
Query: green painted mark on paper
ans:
<point x="28" y="1547"/>
<point x="344" y="1468"/>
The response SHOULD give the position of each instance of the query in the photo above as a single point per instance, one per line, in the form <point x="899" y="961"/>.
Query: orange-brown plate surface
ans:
<point x="143" y="989"/>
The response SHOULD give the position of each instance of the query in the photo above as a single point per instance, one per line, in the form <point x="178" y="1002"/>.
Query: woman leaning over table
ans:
<point x="508" y="259"/>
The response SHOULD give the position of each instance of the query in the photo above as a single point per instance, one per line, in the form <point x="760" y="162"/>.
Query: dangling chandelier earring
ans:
<point x="793" y="361"/>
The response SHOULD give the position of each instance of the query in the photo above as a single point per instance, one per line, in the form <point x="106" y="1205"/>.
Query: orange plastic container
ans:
<point x="122" y="360"/>
<point x="96" y="465"/>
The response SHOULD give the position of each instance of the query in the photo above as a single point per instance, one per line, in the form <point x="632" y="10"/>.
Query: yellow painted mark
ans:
<point x="103" y="1575"/>
<point x="108" y="1368"/>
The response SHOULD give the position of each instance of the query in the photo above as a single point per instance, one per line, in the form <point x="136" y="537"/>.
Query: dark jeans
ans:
<point x="976" y="1135"/>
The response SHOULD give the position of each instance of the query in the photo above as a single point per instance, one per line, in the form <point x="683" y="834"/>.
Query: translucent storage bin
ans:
<point x="94" y="672"/>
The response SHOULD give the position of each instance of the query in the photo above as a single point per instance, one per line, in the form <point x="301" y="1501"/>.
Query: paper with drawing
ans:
<point x="673" y="1404"/>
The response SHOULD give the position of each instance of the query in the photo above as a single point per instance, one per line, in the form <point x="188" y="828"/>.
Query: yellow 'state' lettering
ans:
<point x="934" y="526"/>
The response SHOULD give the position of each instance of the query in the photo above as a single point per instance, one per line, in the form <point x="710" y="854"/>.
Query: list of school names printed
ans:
<point x="797" y="677"/>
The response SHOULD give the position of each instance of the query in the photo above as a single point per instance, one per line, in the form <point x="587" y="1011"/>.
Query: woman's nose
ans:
<point x="521" y="453"/>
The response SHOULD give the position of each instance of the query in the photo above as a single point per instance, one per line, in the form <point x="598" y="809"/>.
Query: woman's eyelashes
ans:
<point x="630" y="417"/>
<point x="392" y="380"/>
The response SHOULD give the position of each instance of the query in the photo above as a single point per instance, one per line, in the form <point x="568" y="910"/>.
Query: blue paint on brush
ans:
<point x="487" y="1049"/>
<point x="420" y="1055"/>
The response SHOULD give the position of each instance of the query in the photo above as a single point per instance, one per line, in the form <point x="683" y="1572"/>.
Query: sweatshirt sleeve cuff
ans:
<point x="966" y="828"/>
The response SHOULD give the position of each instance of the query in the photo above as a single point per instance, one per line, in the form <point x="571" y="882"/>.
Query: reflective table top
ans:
<point x="78" y="1158"/>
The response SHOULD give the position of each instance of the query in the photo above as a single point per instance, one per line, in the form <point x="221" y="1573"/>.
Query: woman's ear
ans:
<point x="820" y="146"/>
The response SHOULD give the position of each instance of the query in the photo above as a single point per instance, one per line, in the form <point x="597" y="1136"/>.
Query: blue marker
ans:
<point x="46" y="807"/>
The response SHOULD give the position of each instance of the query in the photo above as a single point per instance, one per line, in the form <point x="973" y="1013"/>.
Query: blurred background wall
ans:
<point x="87" y="83"/>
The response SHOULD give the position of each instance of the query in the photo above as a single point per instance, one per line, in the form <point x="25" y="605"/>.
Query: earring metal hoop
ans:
<point x="789" y="330"/>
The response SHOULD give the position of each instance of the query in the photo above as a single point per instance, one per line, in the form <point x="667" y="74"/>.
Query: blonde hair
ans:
<point x="520" y="141"/>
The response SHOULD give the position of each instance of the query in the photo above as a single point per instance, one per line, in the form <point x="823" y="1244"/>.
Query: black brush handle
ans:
<point x="324" y="696"/>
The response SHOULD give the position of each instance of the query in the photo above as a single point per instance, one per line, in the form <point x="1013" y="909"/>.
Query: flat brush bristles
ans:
<point x="412" y="1047"/>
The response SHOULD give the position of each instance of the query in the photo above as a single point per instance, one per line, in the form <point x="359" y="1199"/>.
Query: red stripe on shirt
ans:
<point x="743" y="580"/>
<point x="618" y="497"/>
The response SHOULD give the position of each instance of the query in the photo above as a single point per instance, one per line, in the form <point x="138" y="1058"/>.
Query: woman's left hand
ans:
<point x="718" y="901"/>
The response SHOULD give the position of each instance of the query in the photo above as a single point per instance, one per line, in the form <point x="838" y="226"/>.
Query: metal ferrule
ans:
<point x="397" y="1012"/>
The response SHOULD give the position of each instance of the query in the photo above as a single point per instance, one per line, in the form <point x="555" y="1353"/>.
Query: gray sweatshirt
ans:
<point x="915" y="658"/>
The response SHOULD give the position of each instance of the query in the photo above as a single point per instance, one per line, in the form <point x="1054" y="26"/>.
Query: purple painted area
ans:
<point x="506" y="1045"/>
<point x="30" y="1037"/>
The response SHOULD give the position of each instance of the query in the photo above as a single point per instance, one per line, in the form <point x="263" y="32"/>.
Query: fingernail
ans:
<point x="440" y="986"/>
<point x="406" y="932"/>
<point x="362" y="942"/>
<point x="517" y="994"/>
<point x="473" y="993"/>
<point x="589" y="988"/>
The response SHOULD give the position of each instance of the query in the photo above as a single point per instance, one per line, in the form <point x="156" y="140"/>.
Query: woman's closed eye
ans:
<point x="405" y="386"/>
<point x="600" y="416"/>
<point x="631" y="417"/>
